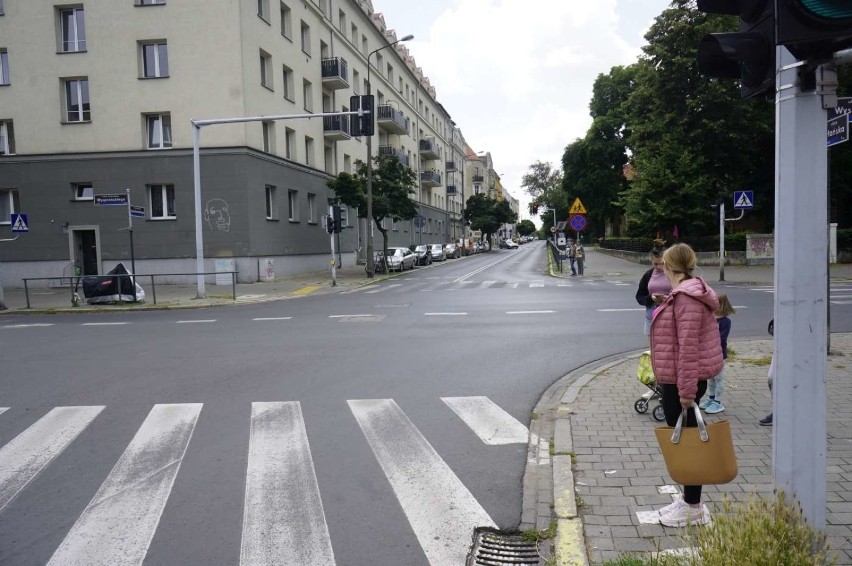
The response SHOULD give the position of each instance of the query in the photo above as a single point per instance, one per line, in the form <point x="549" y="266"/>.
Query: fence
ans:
<point x="556" y="253"/>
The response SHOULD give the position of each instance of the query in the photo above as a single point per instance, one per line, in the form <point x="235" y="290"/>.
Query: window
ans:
<point x="159" y="131"/>
<point x="286" y="22"/>
<point x="309" y="151"/>
<point x="308" y="95"/>
<point x="263" y="9"/>
<point x="77" y="106"/>
<point x="161" y="200"/>
<point x="364" y="48"/>
<point x="268" y="136"/>
<point x="155" y="60"/>
<point x="7" y="138"/>
<point x="287" y="83"/>
<point x="72" y="30"/>
<point x="1" y="7"/>
<point x="293" y="206"/>
<point x="266" y="69"/>
<point x="4" y="67"/>
<point x="328" y="154"/>
<point x="306" y="38"/>
<point x="270" y="203"/>
<point x="347" y="163"/>
<point x="290" y="143"/>
<point x="8" y="204"/>
<point x="355" y="78"/>
<point x="341" y="21"/>
<point x="82" y="191"/>
<point x="312" y="208"/>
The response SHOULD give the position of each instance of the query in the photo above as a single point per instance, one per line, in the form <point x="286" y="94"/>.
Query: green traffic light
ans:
<point x="828" y="9"/>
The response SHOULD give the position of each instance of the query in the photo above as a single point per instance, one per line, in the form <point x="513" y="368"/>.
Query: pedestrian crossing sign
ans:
<point x="19" y="223"/>
<point x="744" y="199"/>
<point x="577" y="208"/>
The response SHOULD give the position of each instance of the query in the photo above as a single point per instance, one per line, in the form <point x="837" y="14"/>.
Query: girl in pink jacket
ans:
<point x="685" y="351"/>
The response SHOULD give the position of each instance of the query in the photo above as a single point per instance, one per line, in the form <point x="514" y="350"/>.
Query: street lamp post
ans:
<point x="371" y="259"/>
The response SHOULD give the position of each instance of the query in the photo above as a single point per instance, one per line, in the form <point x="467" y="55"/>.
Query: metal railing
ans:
<point x="78" y="278"/>
<point x="556" y="253"/>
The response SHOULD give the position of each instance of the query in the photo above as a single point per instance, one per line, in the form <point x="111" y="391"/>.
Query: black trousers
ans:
<point x="672" y="409"/>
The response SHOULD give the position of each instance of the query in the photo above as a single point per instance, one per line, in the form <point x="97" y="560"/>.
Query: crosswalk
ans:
<point x="415" y="284"/>
<point x="283" y="519"/>
<point x="840" y="292"/>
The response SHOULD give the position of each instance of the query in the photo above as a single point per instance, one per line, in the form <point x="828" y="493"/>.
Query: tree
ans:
<point x="525" y="227"/>
<point x="544" y="184"/>
<point x="487" y="215"/>
<point x="393" y="185"/>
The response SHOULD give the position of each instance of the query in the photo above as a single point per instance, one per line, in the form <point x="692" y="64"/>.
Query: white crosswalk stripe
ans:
<point x="490" y="423"/>
<point x="118" y="524"/>
<point x="839" y="294"/>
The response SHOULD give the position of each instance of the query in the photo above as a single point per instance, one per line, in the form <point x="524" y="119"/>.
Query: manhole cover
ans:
<point x="497" y="548"/>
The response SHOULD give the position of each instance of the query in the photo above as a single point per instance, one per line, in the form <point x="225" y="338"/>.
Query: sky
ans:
<point x="516" y="75"/>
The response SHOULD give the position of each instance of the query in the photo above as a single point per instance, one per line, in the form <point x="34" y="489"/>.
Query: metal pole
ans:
<point x="799" y="439"/>
<point x="333" y="259"/>
<point x="199" y="238"/>
<point x="721" y="241"/>
<point x="132" y="255"/>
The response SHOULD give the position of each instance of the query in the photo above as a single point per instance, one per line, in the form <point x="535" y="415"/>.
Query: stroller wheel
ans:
<point x="641" y="406"/>
<point x="659" y="413"/>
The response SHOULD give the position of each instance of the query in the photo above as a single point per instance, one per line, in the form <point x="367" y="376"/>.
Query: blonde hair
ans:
<point x="725" y="306"/>
<point x="680" y="259"/>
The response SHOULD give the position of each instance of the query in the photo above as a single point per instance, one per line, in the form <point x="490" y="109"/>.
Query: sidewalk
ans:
<point x="617" y="469"/>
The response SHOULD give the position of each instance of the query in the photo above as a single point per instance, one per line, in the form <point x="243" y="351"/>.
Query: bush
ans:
<point x="734" y="242"/>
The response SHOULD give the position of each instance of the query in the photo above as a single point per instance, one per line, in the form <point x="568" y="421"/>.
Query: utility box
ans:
<point x="265" y="270"/>
<point x="223" y="266"/>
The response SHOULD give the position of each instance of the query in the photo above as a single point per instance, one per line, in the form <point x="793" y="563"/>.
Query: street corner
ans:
<point x="570" y="546"/>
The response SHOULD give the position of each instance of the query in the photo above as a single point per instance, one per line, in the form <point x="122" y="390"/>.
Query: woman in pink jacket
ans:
<point x="685" y="352"/>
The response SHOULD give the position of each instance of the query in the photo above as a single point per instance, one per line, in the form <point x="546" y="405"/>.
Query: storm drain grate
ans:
<point x="497" y="548"/>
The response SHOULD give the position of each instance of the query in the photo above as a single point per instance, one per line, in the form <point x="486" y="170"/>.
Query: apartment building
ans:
<point x="97" y="97"/>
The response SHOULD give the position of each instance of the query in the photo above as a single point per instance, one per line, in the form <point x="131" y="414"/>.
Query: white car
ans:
<point x="509" y="245"/>
<point x="437" y="252"/>
<point x="401" y="259"/>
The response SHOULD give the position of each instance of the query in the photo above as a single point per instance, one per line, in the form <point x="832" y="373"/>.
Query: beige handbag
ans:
<point x="701" y="455"/>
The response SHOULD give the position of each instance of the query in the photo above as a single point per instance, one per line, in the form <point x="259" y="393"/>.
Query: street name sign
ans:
<point x="838" y="130"/>
<point x="19" y="223"/>
<point x="744" y="200"/>
<point x="137" y="211"/>
<point x="111" y="200"/>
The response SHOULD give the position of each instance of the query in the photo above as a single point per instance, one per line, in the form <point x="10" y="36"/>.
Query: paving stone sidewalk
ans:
<point x="618" y="468"/>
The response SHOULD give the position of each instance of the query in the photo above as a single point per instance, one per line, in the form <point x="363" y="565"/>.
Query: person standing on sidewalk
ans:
<point x="716" y="384"/>
<point x="572" y="256"/>
<point x="654" y="285"/>
<point x="770" y="375"/>
<point x="580" y="256"/>
<point x="686" y="350"/>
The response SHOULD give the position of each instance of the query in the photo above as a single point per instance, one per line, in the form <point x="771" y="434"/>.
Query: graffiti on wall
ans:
<point x="760" y="246"/>
<point x="217" y="216"/>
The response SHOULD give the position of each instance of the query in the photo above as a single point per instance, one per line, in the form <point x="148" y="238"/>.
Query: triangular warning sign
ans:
<point x="577" y="207"/>
<point x="20" y="225"/>
<point x="743" y="201"/>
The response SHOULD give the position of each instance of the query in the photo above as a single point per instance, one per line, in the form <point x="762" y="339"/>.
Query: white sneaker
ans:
<point x="684" y="515"/>
<point x="671" y="506"/>
<point x="705" y="403"/>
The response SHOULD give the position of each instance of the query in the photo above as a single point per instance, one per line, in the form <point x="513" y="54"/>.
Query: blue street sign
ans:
<point x="19" y="223"/>
<point x="137" y="211"/>
<point x="111" y="200"/>
<point x="838" y="130"/>
<point x="744" y="199"/>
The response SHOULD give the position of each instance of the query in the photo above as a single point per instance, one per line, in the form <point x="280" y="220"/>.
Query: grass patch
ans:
<point x="578" y="501"/>
<point x="764" y="361"/>
<point x="534" y="416"/>
<point x="536" y="536"/>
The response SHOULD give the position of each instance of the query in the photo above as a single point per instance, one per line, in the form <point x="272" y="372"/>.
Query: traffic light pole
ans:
<point x="333" y="262"/>
<point x="801" y="247"/>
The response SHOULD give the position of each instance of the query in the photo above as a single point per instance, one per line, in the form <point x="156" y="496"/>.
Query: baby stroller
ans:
<point x="645" y="375"/>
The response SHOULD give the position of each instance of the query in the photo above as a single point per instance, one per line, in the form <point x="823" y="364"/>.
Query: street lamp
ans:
<point x="371" y="259"/>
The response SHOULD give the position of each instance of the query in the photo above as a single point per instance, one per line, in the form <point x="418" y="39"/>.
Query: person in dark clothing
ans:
<point x="654" y="286"/>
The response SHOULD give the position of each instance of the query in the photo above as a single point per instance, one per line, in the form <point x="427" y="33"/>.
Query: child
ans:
<point x="716" y="385"/>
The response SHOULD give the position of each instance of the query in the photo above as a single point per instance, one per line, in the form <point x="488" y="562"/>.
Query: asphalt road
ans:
<point x="348" y="427"/>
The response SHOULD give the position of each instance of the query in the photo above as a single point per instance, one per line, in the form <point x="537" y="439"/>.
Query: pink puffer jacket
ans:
<point x="685" y="342"/>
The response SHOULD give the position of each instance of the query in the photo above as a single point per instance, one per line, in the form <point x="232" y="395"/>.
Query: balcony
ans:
<point x="451" y="166"/>
<point x="430" y="179"/>
<point x="429" y="150"/>
<point x="392" y="120"/>
<point x="395" y="152"/>
<point x="451" y="190"/>
<point x="478" y="179"/>
<point x="335" y="73"/>
<point x="335" y="128"/>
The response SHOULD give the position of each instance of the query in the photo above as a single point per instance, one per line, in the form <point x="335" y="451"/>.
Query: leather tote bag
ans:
<point x="701" y="455"/>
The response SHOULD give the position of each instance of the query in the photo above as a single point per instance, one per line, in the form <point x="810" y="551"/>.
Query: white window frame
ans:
<point x="75" y="40"/>
<point x="287" y="83"/>
<point x="268" y="132"/>
<point x="341" y="21"/>
<point x="293" y="205"/>
<point x="305" y="35"/>
<point x="290" y="143"/>
<point x="82" y="192"/>
<point x="4" y="67"/>
<point x="162" y="124"/>
<point x="309" y="151"/>
<point x="164" y="189"/>
<point x="286" y="21"/>
<point x="312" y="208"/>
<point x="75" y="86"/>
<point x="308" y="95"/>
<point x="263" y="10"/>
<point x="10" y="200"/>
<point x="7" y="137"/>
<point x="159" y="67"/>
<point x="266" y="80"/>
<point x="271" y="209"/>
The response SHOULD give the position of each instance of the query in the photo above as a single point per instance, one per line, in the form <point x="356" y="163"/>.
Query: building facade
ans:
<point x="97" y="98"/>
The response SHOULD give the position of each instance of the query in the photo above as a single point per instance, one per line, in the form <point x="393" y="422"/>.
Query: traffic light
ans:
<point x="338" y="219"/>
<point x="363" y="125"/>
<point x="749" y="54"/>
<point x="329" y="224"/>
<point x="814" y="29"/>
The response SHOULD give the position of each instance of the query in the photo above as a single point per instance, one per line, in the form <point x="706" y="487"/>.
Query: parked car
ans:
<point x="452" y="251"/>
<point x="508" y="245"/>
<point x="401" y="259"/>
<point x="423" y="255"/>
<point x="437" y="252"/>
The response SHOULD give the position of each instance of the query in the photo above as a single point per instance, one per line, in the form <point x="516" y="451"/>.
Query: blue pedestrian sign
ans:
<point x="19" y="223"/>
<point x="744" y="199"/>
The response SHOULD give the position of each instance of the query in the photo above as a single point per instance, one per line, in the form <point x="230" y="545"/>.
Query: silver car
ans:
<point x="437" y="252"/>
<point x="401" y="259"/>
<point x="452" y="251"/>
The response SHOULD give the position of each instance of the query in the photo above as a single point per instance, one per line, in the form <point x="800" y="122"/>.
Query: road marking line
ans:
<point x="119" y="522"/>
<point x="514" y="285"/>
<point x="532" y="285"/>
<point x="306" y="290"/>
<point x="490" y="422"/>
<point x="486" y="284"/>
<point x="274" y="318"/>
<point x="3" y="410"/>
<point x="28" y="325"/>
<point x="349" y="315"/>
<point x="384" y="288"/>
<point x="622" y="310"/>
<point x="530" y="312"/>
<point x="438" y="506"/>
<point x="445" y="314"/>
<point x="104" y="323"/>
<point x="841" y="302"/>
<point x="196" y="321"/>
<point x="29" y="452"/>
<point x="283" y="521"/>
<point x="564" y="285"/>
<point x="481" y="269"/>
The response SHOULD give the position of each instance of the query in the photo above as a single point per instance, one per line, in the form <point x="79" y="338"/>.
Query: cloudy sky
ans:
<point x="517" y="75"/>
